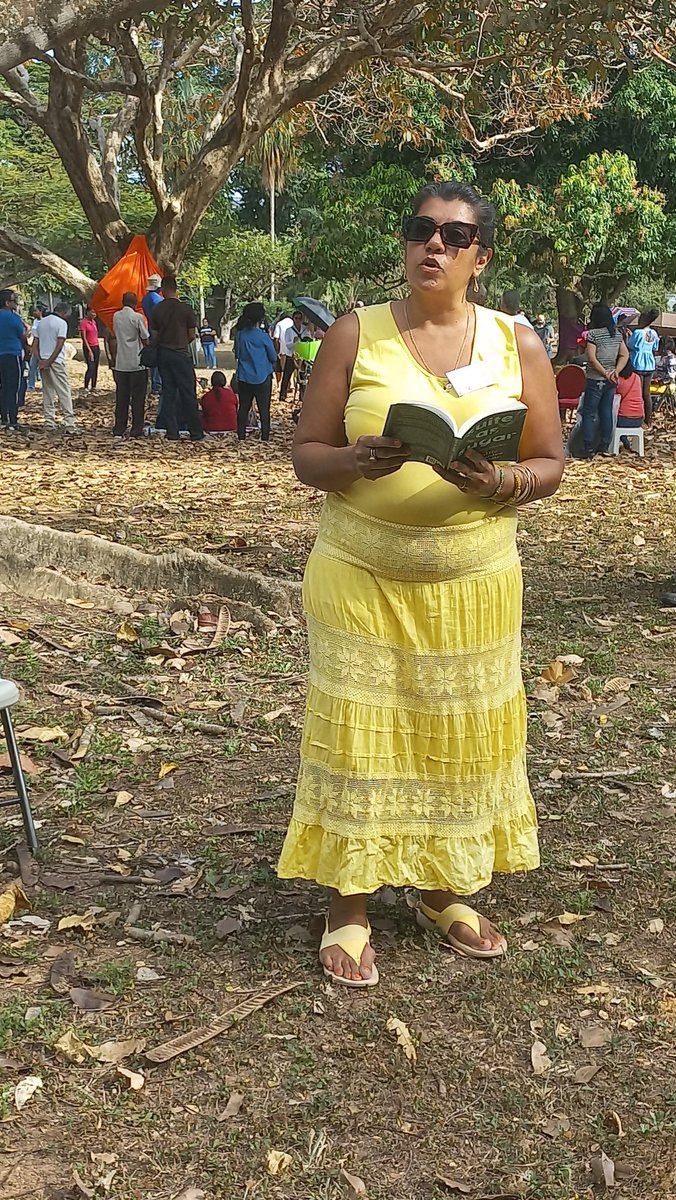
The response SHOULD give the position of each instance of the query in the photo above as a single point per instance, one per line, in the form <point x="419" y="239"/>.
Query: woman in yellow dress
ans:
<point x="413" y="770"/>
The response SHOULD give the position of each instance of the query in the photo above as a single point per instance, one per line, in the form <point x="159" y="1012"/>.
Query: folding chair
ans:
<point x="9" y="695"/>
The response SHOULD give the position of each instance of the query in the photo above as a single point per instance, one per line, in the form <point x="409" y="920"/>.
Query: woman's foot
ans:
<point x="347" y="910"/>
<point x="489" y="937"/>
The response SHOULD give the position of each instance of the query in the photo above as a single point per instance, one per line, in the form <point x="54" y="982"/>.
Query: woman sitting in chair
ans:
<point x="631" y="411"/>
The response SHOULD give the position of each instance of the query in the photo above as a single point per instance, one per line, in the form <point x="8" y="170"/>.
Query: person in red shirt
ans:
<point x="91" y="349"/>
<point x="631" y="412"/>
<point x="219" y="406"/>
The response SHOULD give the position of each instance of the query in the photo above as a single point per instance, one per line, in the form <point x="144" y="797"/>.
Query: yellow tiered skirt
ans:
<point x="413" y="764"/>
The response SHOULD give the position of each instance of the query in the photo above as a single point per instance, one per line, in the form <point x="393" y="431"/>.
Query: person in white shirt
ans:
<point x="511" y="304"/>
<point x="39" y="312"/>
<point x="131" y="379"/>
<point x="291" y="334"/>
<point x="50" y="340"/>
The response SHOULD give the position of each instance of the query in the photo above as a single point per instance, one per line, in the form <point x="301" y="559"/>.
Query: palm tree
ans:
<point x="276" y="156"/>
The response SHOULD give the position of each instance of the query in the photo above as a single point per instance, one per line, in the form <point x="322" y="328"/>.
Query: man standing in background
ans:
<point x="208" y="340"/>
<point x="50" y="340"/>
<point x="131" y="379"/>
<point x="39" y="312"/>
<point x="12" y="342"/>
<point x="288" y="341"/>
<point x="173" y="327"/>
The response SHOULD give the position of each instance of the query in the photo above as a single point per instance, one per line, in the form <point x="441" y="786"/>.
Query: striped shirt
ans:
<point x="607" y="349"/>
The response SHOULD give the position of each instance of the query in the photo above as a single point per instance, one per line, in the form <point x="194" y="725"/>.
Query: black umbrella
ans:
<point x="315" y="311"/>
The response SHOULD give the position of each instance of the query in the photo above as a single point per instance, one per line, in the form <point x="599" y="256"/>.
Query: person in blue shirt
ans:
<point x="12" y="343"/>
<point x="152" y="297"/>
<point x="642" y="346"/>
<point x="256" y="360"/>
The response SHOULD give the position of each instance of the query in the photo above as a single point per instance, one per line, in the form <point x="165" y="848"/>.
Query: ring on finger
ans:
<point x="373" y="457"/>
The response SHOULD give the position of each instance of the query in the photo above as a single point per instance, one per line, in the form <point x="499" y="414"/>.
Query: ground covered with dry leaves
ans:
<point x="162" y="752"/>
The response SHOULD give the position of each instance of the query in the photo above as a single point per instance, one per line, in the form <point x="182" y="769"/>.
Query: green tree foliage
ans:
<point x="596" y="229"/>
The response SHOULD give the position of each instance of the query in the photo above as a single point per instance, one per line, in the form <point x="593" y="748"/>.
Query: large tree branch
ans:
<point x="26" y="26"/>
<point x="65" y="129"/>
<point x="25" y="248"/>
<point x="90" y="82"/>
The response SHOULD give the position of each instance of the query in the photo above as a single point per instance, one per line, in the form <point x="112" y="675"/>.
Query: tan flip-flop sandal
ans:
<point x="352" y="939"/>
<point x="429" y="918"/>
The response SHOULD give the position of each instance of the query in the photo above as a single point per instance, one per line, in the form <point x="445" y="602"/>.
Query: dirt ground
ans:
<point x="162" y="775"/>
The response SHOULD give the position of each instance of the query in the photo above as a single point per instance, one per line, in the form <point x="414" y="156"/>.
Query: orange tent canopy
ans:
<point x="130" y="274"/>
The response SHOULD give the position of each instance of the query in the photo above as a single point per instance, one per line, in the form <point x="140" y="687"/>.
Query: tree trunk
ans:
<point x="273" y="230"/>
<point x="568" y="308"/>
<point x="20" y="246"/>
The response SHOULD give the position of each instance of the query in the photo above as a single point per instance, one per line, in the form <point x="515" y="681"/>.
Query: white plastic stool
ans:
<point x="634" y="435"/>
<point x="9" y="695"/>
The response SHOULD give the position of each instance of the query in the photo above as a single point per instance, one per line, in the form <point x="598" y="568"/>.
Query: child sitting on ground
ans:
<point x="219" y="406"/>
<point x="631" y="411"/>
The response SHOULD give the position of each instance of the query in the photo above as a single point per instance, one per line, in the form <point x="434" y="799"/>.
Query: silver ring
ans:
<point x="373" y="457"/>
<point x="463" y="486"/>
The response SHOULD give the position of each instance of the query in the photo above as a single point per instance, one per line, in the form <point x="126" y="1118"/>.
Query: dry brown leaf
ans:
<point x="25" y="1089"/>
<point x="226" y="926"/>
<point x="191" y="1193"/>
<point x="72" y="1048"/>
<point x="27" y="764"/>
<point x="135" y="1080"/>
<point x="78" y="602"/>
<point x="166" y="769"/>
<point x="539" y="1058"/>
<point x="84" y="921"/>
<point x="603" y="1171"/>
<point x="62" y="973"/>
<point x="356" y="1186"/>
<point x="278" y="1162"/>
<point x="555" y="1125"/>
<point x="454" y="1185"/>
<point x="548" y="695"/>
<point x="84" y="743"/>
<point x="569" y="918"/>
<point x="90" y="1001"/>
<point x="619" y="683"/>
<point x="115" y="1052"/>
<point x="639" y="539"/>
<point x="284" y="711"/>
<point x="123" y="798"/>
<point x="12" y="900"/>
<point x="593" y="989"/>
<point x="42" y="733"/>
<point x="594" y="1036"/>
<point x="9" y="638"/>
<point x="126" y="633"/>
<point x="586" y="1074"/>
<point x="656" y="926"/>
<point x="570" y="660"/>
<point x="403" y="1036"/>
<point x="232" y="1107"/>
<point x="234" y="1016"/>
<point x="221" y="631"/>
<point x="558" y="673"/>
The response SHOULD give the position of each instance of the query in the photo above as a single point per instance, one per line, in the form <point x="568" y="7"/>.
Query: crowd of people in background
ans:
<point x="153" y="349"/>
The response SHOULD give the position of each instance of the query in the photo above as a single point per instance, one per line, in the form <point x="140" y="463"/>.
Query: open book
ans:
<point x="433" y="437"/>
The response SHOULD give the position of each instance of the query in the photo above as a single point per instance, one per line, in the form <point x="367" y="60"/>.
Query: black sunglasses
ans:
<point x="453" y="233"/>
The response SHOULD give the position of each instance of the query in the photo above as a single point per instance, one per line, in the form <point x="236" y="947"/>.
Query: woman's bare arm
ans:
<point x="321" y="456"/>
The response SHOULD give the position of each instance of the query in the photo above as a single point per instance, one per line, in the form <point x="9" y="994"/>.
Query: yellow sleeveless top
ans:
<point x="385" y="372"/>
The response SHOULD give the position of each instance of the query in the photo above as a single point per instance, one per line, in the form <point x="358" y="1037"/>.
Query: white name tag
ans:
<point x="471" y="378"/>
